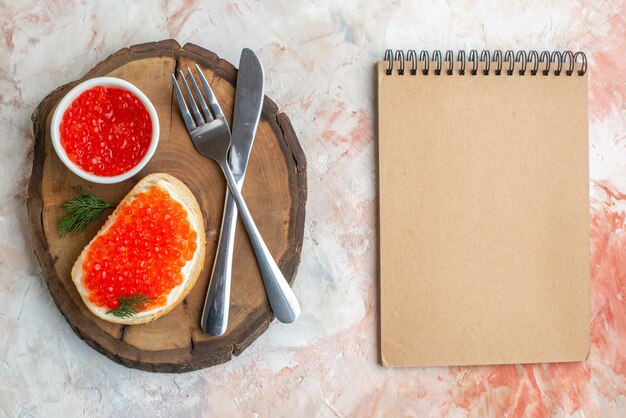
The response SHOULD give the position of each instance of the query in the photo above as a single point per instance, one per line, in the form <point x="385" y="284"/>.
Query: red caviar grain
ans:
<point x="106" y="131"/>
<point x="136" y="255"/>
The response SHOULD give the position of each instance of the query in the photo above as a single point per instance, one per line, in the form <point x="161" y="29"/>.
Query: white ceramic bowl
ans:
<point x="71" y="96"/>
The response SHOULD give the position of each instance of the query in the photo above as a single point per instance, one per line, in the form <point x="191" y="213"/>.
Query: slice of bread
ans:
<point x="190" y="271"/>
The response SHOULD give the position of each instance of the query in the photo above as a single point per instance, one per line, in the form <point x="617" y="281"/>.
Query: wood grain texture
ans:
<point x="275" y="191"/>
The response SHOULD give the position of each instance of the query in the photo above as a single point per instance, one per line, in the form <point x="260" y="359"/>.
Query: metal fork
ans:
<point x="211" y="137"/>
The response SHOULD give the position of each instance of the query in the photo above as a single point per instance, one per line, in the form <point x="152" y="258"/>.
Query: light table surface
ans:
<point x="319" y="61"/>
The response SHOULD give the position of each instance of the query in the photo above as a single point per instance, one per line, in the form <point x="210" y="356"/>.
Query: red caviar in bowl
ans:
<point x="106" y="131"/>
<point x="143" y="251"/>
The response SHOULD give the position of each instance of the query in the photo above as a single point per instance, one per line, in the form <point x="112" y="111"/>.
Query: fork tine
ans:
<point x="184" y="110"/>
<point x="192" y="101"/>
<point x="205" y="110"/>
<point x="212" y="100"/>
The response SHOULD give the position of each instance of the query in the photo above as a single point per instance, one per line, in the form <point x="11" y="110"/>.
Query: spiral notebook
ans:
<point x="484" y="208"/>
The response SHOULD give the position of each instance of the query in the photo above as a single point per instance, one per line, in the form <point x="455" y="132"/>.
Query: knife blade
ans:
<point x="248" y="105"/>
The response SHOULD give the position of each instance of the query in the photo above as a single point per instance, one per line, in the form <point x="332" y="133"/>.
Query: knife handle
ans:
<point x="214" y="320"/>
<point x="284" y="303"/>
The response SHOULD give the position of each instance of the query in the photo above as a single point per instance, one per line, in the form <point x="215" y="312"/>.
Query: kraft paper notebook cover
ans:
<point x="484" y="208"/>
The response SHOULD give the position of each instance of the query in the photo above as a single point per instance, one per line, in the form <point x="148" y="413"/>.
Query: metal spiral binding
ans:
<point x="424" y="57"/>
<point x="522" y="58"/>
<point x="510" y="57"/>
<point x="497" y="58"/>
<point x="533" y="57"/>
<point x="545" y="58"/>
<point x="399" y="56"/>
<point x="411" y="55"/>
<point x="389" y="59"/>
<point x="450" y="59"/>
<point x="461" y="59"/>
<point x="539" y="63"/>
<point x="473" y="58"/>
<point x="437" y="59"/>
<point x="485" y="57"/>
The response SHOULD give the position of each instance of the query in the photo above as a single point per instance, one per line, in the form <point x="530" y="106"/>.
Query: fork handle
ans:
<point x="214" y="318"/>
<point x="282" y="299"/>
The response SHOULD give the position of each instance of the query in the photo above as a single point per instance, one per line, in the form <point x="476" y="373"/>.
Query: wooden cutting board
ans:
<point x="275" y="190"/>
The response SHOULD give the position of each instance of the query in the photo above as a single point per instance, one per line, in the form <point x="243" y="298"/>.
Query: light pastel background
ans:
<point x="318" y="58"/>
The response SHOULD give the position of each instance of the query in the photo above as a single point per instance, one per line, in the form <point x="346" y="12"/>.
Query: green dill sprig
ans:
<point x="130" y="305"/>
<point x="82" y="210"/>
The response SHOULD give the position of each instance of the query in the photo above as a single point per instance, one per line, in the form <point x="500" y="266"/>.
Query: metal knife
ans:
<point x="248" y="105"/>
